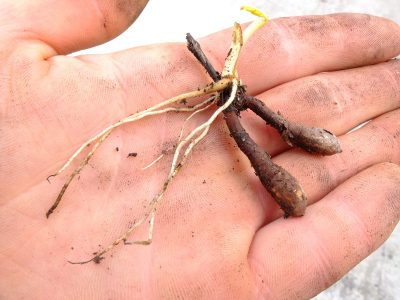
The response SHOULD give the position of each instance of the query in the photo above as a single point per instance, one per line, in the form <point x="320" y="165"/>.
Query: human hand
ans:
<point x="223" y="238"/>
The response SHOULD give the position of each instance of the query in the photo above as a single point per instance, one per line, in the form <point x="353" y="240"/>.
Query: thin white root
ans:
<point x="153" y="162"/>
<point x="191" y="135"/>
<point x="76" y="172"/>
<point x="197" y="109"/>
<point x="195" y="113"/>
<point x="150" y="233"/>
<point x="105" y="134"/>
<point x="211" y="88"/>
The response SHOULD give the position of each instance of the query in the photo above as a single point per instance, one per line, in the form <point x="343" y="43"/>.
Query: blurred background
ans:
<point x="377" y="277"/>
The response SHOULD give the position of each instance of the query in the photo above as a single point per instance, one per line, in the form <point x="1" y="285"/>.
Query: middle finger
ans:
<point x="337" y="101"/>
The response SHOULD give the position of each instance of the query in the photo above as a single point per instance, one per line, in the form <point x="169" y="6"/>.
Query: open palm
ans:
<point x="218" y="234"/>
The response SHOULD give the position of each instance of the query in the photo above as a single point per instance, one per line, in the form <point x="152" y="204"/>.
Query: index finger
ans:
<point x="289" y="48"/>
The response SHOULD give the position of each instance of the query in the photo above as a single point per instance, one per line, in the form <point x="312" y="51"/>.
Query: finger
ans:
<point x="69" y="26"/>
<point x="337" y="101"/>
<point x="376" y="142"/>
<point x="298" y="258"/>
<point x="289" y="48"/>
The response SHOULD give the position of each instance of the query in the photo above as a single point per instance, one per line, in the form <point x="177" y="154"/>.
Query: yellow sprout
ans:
<point x="255" y="25"/>
<point x="255" y="11"/>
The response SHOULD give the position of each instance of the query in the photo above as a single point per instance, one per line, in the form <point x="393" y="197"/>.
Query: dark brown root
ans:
<point x="311" y="139"/>
<point x="283" y="187"/>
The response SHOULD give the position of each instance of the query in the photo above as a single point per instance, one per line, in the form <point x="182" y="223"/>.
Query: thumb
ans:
<point x="66" y="25"/>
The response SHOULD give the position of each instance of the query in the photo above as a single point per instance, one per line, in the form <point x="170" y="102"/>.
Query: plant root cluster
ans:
<point x="229" y="96"/>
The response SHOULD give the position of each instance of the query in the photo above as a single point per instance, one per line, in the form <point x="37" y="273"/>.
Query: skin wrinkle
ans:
<point x="393" y="198"/>
<point x="349" y="212"/>
<point x="387" y="138"/>
<point x="264" y="291"/>
<point x="323" y="260"/>
<point x="284" y="46"/>
<point x="23" y="269"/>
<point x="277" y="43"/>
<point x="314" y="25"/>
<point x="339" y="97"/>
<point x="102" y="18"/>
<point x="394" y="79"/>
<point x="131" y="8"/>
<point x="117" y="74"/>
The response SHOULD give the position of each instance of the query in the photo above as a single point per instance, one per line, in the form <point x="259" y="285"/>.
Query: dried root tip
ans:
<point x="96" y="259"/>
<point x="76" y="172"/>
<point x="50" y="176"/>
<point x="286" y="191"/>
<point x="312" y="139"/>
<point x="195" y="49"/>
<point x="282" y="186"/>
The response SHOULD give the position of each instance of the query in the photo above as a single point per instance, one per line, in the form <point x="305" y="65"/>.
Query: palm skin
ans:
<point x="217" y="234"/>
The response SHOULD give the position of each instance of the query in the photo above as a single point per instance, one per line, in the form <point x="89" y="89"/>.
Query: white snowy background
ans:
<point x="378" y="276"/>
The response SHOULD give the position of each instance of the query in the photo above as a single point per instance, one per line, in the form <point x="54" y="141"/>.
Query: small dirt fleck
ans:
<point x="97" y="259"/>
<point x="72" y="248"/>
<point x="183" y="101"/>
<point x="204" y="181"/>
<point x="116" y="149"/>
<point x="132" y="154"/>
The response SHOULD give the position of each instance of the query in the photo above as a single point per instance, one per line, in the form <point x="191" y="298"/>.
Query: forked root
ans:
<point x="154" y="110"/>
<point x="106" y="132"/>
<point x="196" y="109"/>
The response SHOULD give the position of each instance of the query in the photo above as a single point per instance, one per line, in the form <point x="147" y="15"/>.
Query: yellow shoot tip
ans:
<point x="255" y="11"/>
